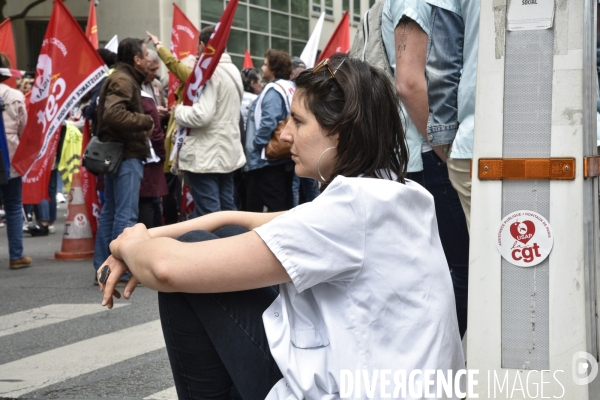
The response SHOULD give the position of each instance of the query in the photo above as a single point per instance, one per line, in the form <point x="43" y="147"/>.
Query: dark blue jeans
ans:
<point x="452" y="227"/>
<point x="211" y="192"/>
<point x="305" y="190"/>
<point x="120" y="209"/>
<point x="11" y="196"/>
<point x="216" y="343"/>
<point x="47" y="208"/>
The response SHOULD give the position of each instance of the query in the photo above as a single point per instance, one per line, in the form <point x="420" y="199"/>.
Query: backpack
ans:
<point x="368" y="45"/>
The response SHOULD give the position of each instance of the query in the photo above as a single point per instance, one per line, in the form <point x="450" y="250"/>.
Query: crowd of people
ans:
<point x="218" y="162"/>
<point x="361" y="258"/>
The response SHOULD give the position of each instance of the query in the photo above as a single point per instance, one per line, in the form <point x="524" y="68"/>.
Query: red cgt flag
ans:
<point x="67" y="68"/>
<point x="340" y="40"/>
<point x="206" y="65"/>
<point x="247" y="60"/>
<point x="7" y="46"/>
<point x="91" y="30"/>
<point x="184" y="42"/>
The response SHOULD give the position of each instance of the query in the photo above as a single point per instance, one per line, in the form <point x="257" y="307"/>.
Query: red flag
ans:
<point x="184" y="42"/>
<point x="91" y="30"/>
<point x="88" y="185"/>
<point x="340" y="40"/>
<point x="187" y="202"/>
<point x="247" y="60"/>
<point x="7" y="46"/>
<point x="206" y="65"/>
<point x="27" y="100"/>
<point x="67" y="68"/>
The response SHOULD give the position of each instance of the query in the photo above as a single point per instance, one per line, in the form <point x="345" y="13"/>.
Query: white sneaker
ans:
<point x="2" y="213"/>
<point x="51" y="229"/>
<point x="2" y="225"/>
<point x="60" y="198"/>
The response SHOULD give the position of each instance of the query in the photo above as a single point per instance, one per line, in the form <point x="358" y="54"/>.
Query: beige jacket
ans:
<point x="213" y="144"/>
<point x="15" y="119"/>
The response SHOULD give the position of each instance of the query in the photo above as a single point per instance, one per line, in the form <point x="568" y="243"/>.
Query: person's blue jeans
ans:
<point x="59" y="183"/>
<point x="443" y="71"/>
<point x="216" y="343"/>
<point x="452" y="227"/>
<point x="11" y="195"/>
<point x="211" y="192"/>
<point x="305" y="190"/>
<point x="47" y="208"/>
<point x="120" y="209"/>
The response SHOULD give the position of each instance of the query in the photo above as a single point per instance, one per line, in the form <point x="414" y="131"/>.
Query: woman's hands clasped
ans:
<point x="117" y="266"/>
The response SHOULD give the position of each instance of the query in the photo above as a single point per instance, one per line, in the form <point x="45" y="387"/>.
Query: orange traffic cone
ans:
<point x="78" y="241"/>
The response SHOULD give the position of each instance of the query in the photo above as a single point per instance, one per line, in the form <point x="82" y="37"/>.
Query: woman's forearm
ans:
<point x="143" y="257"/>
<point x="214" y="221"/>
<point x="239" y="262"/>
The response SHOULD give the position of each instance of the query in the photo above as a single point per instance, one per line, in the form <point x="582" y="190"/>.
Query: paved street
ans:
<point x="57" y="342"/>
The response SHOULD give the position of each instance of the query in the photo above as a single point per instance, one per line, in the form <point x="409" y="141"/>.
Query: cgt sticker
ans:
<point x="524" y="238"/>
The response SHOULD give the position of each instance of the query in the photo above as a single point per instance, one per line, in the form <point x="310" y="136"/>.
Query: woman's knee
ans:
<point x="197" y="236"/>
<point x="201" y="236"/>
<point x="230" y="230"/>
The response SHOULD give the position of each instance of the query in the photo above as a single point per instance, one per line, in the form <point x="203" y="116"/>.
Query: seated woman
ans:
<point x="363" y="281"/>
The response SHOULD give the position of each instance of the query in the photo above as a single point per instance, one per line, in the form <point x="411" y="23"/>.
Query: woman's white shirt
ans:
<point x="371" y="288"/>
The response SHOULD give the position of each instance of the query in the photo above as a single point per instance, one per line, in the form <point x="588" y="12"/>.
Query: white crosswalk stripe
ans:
<point x="47" y="315"/>
<point x="41" y="370"/>
<point x="168" y="394"/>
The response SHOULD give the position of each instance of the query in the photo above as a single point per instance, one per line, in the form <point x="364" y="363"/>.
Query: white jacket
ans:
<point x="213" y="144"/>
<point x="15" y="119"/>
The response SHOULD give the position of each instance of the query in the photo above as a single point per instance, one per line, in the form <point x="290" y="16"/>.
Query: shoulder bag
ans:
<point x="103" y="158"/>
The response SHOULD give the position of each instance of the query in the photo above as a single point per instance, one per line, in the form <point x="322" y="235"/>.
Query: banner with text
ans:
<point x="184" y="42"/>
<point x="67" y="68"/>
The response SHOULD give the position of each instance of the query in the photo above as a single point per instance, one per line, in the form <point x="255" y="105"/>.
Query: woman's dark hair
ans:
<point x="128" y="49"/>
<point x="366" y="116"/>
<point x="280" y="63"/>
<point x="4" y="63"/>
<point x="109" y="58"/>
<point x="205" y="34"/>
<point x="249" y="76"/>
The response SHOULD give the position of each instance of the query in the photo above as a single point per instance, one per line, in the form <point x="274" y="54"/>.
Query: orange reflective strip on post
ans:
<point x="591" y="166"/>
<point x="526" y="168"/>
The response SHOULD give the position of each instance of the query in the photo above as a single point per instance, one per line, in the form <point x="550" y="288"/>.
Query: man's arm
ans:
<point x="411" y="56"/>
<point x="116" y="115"/>
<point x="270" y="112"/>
<point x="21" y="117"/>
<point x="411" y="51"/>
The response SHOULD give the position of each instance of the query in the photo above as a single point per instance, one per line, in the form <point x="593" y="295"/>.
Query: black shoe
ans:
<point x="37" y="230"/>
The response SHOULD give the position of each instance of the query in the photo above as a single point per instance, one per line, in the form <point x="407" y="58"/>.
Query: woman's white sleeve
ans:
<point x="322" y="241"/>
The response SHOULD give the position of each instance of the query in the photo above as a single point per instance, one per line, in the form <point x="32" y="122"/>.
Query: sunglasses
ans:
<point x="325" y="64"/>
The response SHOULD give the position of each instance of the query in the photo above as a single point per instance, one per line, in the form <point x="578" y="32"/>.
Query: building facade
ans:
<point x="258" y="24"/>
